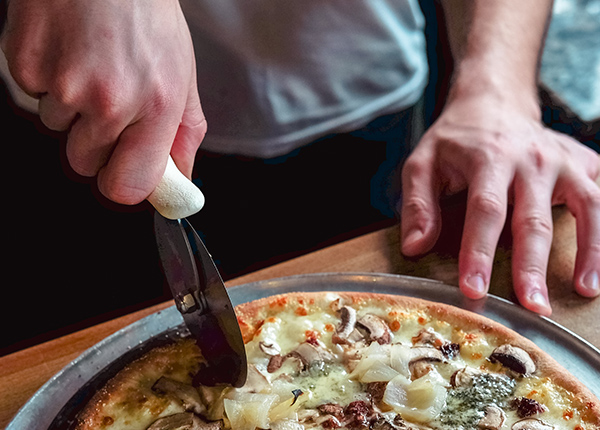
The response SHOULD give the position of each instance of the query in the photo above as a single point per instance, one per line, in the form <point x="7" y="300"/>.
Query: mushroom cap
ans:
<point x="514" y="358"/>
<point x="493" y="419"/>
<point x="346" y="325"/>
<point x="377" y="328"/>
<point x="188" y="395"/>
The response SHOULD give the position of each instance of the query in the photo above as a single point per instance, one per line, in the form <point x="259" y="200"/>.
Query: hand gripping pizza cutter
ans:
<point x="198" y="290"/>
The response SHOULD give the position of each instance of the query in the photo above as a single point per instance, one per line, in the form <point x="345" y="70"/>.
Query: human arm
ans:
<point x="489" y="139"/>
<point x="119" y="77"/>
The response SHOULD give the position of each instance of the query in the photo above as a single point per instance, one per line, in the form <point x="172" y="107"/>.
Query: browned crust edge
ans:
<point x="162" y="357"/>
<point x="251" y="314"/>
<point x="466" y="320"/>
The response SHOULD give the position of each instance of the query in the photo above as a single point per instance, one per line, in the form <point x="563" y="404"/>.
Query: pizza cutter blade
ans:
<point x="201" y="297"/>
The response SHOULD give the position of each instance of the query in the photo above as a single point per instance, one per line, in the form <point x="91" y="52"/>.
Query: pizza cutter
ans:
<point x="197" y="287"/>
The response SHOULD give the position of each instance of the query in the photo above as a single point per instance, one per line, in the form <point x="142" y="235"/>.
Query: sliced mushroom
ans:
<point x="310" y="354"/>
<point x="493" y="419"/>
<point x="425" y="353"/>
<point x="514" y="358"/>
<point x="531" y="424"/>
<point x="188" y="395"/>
<point x="428" y="337"/>
<point x="269" y="349"/>
<point x="346" y="326"/>
<point x="184" y="421"/>
<point x="293" y="363"/>
<point x="422" y="359"/>
<point x="464" y="377"/>
<point x="377" y="328"/>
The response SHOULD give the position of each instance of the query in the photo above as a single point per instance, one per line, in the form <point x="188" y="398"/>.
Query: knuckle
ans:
<point x="417" y="211"/>
<point x="163" y="99"/>
<point x="532" y="273"/>
<point x="121" y="191"/>
<point x="594" y="247"/>
<point x="585" y="200"/>
<point x="480" y="253"/>
<point x="415" y="206"/>
<point x="64" y="89"/>
<point x="109" y="105"/>
<point x="535" y="224"/>
<point x="591" y="198"/>
<point x="25" y="75"/>
<point x="489" y="204"/>
<point x="414" y="167"/>
<point x="80" y="164"/>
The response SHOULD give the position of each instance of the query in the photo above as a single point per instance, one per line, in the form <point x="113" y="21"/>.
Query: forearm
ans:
<point x="497" y="46"/>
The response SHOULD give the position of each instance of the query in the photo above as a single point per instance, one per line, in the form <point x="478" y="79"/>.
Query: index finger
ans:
<point x="139" y="159"/>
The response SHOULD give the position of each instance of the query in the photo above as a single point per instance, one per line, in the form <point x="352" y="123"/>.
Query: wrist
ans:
<point x="509" y="90"/>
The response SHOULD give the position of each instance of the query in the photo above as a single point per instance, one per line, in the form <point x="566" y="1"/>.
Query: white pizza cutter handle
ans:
<point x="176" y="196"/>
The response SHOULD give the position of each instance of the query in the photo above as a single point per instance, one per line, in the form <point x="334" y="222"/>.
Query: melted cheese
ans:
<point x="337" y="385"/>
<point x="272" y="400"/>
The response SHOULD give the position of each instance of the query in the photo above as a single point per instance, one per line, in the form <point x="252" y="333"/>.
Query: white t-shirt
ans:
<point x="274" y="75"/>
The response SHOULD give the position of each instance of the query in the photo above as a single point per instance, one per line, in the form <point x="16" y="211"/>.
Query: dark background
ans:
<point x="75" y="259"/>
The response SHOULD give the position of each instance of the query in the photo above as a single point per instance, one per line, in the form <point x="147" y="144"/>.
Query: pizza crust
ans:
<point x="250" y="315"/>
<point x="181" y="360"/>
<point x="130" y="391"/>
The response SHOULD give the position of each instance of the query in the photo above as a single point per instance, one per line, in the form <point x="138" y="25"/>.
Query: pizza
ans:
<point x="350" y="360"/>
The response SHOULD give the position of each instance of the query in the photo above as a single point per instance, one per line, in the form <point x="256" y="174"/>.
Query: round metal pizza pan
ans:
<point x="53" y="405"/>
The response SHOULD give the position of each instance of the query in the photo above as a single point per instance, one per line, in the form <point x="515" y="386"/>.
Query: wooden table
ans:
<point x="24" y="372"/>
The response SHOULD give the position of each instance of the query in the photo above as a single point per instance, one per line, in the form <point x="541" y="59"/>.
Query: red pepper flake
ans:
<point x="476" y="356"/>
<point x="107" y="421"/>
<point x="301" y="311"/>
<point x="395" y="325"/>
<point x="281" y="301"/>
<point x="470" y="336"/>
<point x="568" y="414"/>
<point x="422" y="320"/>
<point x="329" y="327"/>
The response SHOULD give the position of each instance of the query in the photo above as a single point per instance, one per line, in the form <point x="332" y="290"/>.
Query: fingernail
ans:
<point x="476" y="283"/>
<point x="590" y="283"/>
<point x="540" y="300"/>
